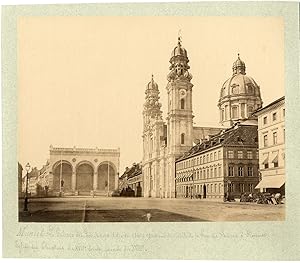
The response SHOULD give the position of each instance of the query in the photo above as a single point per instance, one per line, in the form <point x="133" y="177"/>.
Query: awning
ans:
<point x="275" y="159"/>
<point x="266" y="159"/>
<point x="275" y="181"/>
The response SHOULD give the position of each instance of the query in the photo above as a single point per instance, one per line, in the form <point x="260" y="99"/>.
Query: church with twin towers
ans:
<point x="164" y="141"/>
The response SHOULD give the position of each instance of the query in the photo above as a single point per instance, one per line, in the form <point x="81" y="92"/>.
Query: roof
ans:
<point x="134" y="170"/>
<point x="33" y="173"/>
<point x="239" y="134"/>
<point x="269" y="105"/>
<point x="179" y="50"/>
<point x="240" y="85"/>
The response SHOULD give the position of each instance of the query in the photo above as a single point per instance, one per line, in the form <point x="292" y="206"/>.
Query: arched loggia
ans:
<point x="62" y="176"/>
<point x="84" y="177"/>
<point x="106" y="177"/>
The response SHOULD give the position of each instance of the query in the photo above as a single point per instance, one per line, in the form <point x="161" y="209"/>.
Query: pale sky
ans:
<point x="82" y="80"/>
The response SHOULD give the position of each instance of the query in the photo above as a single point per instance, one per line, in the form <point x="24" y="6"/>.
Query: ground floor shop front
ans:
<point x="215" y="189"/>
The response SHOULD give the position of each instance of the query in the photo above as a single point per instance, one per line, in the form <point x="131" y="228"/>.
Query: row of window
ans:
<point x="240" y="171"/>
<point x="182" y="104"/>
<point x="200" y="174"/>
<point x="266" y="165"/>
<point x="216" y="188"/>
<point x="240" y="187"/>
<point x="231" y="154"/>
<point x="210" y="157"/>
<point x="274" y="117"/>
<point x="235" y="112"/>
<point x="214" y="172"/>
<point x="199" y="189"/>
<point x="241" y="154"/>
<point x="274" y="138"/>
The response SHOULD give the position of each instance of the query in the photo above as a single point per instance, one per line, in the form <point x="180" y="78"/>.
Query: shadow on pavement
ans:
<point x="114" y="215"/>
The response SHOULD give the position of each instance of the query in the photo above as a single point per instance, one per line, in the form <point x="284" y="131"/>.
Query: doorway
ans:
<point x="204" y="191"/>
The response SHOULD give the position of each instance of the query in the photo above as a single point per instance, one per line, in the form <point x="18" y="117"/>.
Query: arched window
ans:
<point x="235" y="112"/>
<point x="243" y="105"/>
<point x="250" y="110"/>
<point x="250" y="89"/>
<point x="182" y="138"/>
<point x="223" y="115"/>
<point x="226" y="112"/>
<point x="182" y="102"/>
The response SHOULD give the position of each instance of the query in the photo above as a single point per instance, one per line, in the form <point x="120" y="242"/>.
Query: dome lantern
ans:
<point x="152" y="105"/>
<point x="179" y="63"/>
<point x="239" y="66"/>
<point x="152" y="84"/>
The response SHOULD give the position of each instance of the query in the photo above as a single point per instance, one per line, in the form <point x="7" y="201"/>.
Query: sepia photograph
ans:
<point x="151" y="131"/>
<point x="151" y="119"/>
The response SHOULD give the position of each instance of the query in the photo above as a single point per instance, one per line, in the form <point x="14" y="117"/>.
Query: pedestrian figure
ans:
<point x="46" y="190"/>
<point x="148" y="215"/>
<point x="277" y="198"/>
<point x="225" y="197"/>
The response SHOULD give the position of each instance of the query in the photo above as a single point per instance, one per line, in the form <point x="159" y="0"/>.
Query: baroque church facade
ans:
<point x="166" y="141"/>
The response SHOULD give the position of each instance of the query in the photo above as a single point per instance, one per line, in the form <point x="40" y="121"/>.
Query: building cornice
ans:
<point x="86" y="151"/>
<point x="273" y="105"/>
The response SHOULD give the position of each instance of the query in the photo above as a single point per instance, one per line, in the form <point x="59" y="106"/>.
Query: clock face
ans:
<point x="182" y="93"/>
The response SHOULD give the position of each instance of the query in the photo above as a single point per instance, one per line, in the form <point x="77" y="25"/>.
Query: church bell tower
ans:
<point x="180" y="112"/>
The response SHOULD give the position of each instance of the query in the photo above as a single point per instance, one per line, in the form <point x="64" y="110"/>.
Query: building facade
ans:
<point x="271" y="130"/>
<point x="43" y="180"/>
<point x="33" y="176"/>
<point x="133" y="178"/>
<point x="20" y="179"/>
<point x="164" y="142"/>
<point x="225" y="163"/>
<point x="83" y="171"/>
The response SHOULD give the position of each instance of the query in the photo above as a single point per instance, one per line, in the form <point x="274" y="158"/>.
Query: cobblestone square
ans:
<point x="107" y="209"/>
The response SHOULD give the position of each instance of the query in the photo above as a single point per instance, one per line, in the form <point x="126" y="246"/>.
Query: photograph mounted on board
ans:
<point x="151" y="119"/>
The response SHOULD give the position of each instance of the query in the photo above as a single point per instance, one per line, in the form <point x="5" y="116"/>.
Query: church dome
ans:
<point x="152" y="85"/>
<point x="239" y="96"/>
<point x="239" y="84"/>
<point x="179" y="50"/>
<point x="179" y="53"/>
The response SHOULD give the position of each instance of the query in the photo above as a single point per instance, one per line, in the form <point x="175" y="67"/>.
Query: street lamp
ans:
<point x="27" y="167"/>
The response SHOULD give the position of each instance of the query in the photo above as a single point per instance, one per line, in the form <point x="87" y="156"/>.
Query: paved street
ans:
<point x="103" y="209"/>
